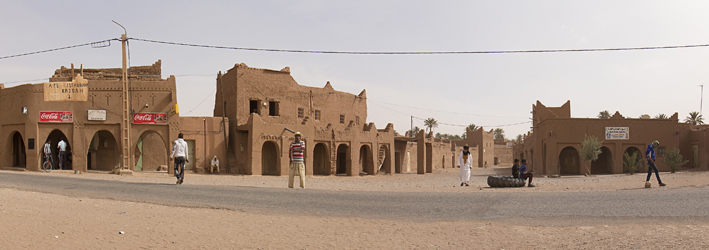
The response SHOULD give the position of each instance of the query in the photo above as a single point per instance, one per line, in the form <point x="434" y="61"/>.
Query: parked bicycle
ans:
<point x="47" y="165"/>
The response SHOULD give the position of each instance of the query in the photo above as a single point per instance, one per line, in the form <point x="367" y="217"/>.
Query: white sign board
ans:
<point x="617" y="133"/>
<point x="96" y="114"/>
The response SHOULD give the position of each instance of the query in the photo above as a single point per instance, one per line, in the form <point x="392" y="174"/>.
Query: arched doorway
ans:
<point x="638" y="160"/>
<point x="55" y="136"/>
<point x="19" y="157"/>
<point x="321" y="160"/>
<point x="604" y="163"/>
<point x="103" y="153"/>
<point x="269" y="158"/>
<point x="342" y="154"/>
<point x="365" y="160"/>
<point x="151" y="153"/>
<point x="383" y="160"/>
<point x="569" y="161"/>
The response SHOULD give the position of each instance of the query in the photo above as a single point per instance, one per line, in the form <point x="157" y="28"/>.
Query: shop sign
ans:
<point x="617" y="133"/>
<point x="174" y="109"/>
<point x="74" y="91"/>
<point x="96" y="114"/>
<point x="150" y="118"/>
<point x="56" y="116"/>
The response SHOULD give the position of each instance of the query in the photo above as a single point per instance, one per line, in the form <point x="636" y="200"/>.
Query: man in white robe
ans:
<point x="465" y="163"/>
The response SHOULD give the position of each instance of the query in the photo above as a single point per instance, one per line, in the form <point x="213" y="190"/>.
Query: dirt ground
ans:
<point x="32" y="220"/>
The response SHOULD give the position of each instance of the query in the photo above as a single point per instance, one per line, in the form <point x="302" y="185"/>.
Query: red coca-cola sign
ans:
<point x="150" y="118"/>
<point x="56" y="116"/>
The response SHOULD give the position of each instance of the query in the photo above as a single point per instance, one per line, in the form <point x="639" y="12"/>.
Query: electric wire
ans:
<point x="421" y="52"/>
<point x="56" y="49"/>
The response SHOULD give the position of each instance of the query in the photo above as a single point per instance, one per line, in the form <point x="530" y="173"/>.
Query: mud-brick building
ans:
<point x="553" y="146"/>
<point x="264" y="106"/>
<point x="92" y="126"/>
<point x="423" y="153"/>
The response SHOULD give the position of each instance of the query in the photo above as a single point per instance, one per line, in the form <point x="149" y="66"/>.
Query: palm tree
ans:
<point x="414" y="131"/>
<point x="519" y="138"/>
<point x="604" y="114"/>
<point x="472" y="127"/>
<point x="661" y="116"/>
<point x="430" y="123"/>
<point x="499" y="133"/>
<point x="694" y="118"/>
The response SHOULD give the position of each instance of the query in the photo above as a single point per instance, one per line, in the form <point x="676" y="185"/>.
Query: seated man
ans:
<point x="515" y="169"/>
<point x="215" y="165"/>
<point x="523" y="173"/>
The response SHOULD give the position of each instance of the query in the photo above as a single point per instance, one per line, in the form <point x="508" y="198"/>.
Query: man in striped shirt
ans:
<point x="297" y="161"/>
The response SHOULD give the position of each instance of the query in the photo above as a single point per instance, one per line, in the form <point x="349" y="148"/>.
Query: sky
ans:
<point x="489" y="90"/>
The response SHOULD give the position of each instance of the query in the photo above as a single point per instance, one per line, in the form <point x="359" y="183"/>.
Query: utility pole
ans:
<point x="701" y="100"/>
<point x="412" y="126"/>
<point x="125" y="123"/>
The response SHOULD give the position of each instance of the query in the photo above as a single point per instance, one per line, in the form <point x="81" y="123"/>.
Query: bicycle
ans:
<point x="47" y="166"/>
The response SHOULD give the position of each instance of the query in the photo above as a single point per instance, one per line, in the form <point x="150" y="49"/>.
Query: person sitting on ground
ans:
<point x="515" y="169"/>
<point x="524" y="174"/>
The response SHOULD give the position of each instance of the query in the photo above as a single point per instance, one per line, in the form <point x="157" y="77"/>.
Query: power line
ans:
<point x="441" y="111"/>
<point x="200" y="103"/>
<point x="451" y="124"/>
<point x="422" y="52"/>
<point x="62" y="48"/>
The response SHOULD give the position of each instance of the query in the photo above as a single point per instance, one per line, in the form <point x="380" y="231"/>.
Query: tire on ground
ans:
<point x="504" y="181"/>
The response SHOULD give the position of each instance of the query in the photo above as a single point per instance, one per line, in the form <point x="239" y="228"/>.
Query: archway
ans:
<point x="321" y="160"/>
<point x="365" y="160"/>
<point x="384" y="161"/>
<point x="19" y="156"/>
<point x="55" y="136"/>
<point x="342" y="154"/>
<point x="638" y="161"/>
<point x="569" y="161"/>
<point x="103" y="153"/>
<point x="150" y="152"/>
<point x="604" y="163"/>
<point x="269" y="158"/>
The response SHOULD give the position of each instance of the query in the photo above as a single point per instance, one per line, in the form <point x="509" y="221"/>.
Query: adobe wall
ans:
<point x="555" y="131"/>
<point x="103" y="94"/>
<point x="503" y="155"/>
<point x="207" y="134"/>
<point x="258" y="137"/>
<point x="278" y="87"/>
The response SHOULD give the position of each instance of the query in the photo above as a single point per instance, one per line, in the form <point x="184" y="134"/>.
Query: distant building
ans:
<point x="553" y="146"/>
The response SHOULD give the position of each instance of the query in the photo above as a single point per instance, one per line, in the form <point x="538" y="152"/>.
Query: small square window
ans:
<point x="317" y="115"/>
<point x="342" y="119"/>
<point x="301" y="113"/>
<point x="253" y="106"/>
<point x="273" y="108"/>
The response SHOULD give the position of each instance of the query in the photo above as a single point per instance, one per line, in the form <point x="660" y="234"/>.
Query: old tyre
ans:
<point x="504" y="181"/>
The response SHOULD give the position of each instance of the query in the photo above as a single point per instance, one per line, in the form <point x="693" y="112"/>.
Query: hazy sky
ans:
<point x="485" y="89"/>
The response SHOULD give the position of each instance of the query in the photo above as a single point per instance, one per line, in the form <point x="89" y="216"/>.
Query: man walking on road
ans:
<point x="650" y="155"/>
<point x="62" y="154"/>
<point x="179" y="154"/>
<point x="297" y="161"/>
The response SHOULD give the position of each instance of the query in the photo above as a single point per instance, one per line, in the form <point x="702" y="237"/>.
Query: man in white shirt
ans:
<point x="62" y="154"/>
<point x="179" y="154"/>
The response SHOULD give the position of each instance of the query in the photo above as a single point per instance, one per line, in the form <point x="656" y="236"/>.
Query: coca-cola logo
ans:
<point x="49" y="116"/>
<point x="143" y="117"/>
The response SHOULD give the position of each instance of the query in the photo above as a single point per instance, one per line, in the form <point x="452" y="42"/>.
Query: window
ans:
<point x="253" y="106"/>
<point x="357" y="120"/>
<point x="300" y="113"/>
<point x="342" y="119"/>
<point x="317" y="114"/>
<point x="661" y="151"/>
<point x="273" y="108"/>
